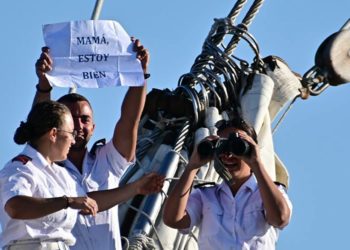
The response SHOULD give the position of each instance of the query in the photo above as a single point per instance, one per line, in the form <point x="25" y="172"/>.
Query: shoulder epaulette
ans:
<point x="204" y="185"/>
<point x="60" y="163"/>
<point x="22" y="158"/>
<point x="98" y="143"/>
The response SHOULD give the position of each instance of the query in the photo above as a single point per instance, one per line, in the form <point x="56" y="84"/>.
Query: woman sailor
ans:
<point x="40" y="199"/>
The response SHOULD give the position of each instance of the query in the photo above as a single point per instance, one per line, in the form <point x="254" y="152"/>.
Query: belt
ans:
<point x="37" y="244"/>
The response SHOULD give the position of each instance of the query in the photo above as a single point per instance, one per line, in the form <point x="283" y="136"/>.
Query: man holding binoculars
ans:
<point x="245" y="211"/>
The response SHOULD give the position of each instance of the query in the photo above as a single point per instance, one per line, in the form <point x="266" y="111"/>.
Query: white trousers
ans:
<point x="37" y="244"/>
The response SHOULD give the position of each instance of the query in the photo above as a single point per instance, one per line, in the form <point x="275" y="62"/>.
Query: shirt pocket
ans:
<point x="56" y="219"/>
<point x="50" y="222"/>
<point x="211" y="221"/>
<point x="253" y="221"/>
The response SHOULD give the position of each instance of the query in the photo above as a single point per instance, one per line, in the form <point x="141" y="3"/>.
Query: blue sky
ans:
<point x="312" y="141"/>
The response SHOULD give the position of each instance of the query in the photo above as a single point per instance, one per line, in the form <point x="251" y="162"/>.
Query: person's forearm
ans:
<point x="276" y="207"/>
<point x="133" y="104"/>
<point x="43" y="92"/>
<point x="107" y="199"/>
<point x="174" y="213"/>
<point x="40" y="97"/>
<point x="125" y="134"/>
<point x="25" y="207"/>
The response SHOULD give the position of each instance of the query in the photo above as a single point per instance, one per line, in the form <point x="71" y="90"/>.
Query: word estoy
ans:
<point x="87" y="58"/>
<point x="93" y="58"/>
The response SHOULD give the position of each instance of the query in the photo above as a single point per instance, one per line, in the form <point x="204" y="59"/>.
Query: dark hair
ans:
<point x="73" y="98"/>
<point x="238" y="123"/>
<point x="41" y="118"/>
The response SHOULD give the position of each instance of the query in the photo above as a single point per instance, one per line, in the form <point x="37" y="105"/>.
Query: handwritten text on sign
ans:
<point x="91" y="54"/>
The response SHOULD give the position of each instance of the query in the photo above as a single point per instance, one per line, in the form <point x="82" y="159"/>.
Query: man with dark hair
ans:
<point x="243" y="212"/>
<point x="102" y="167"/>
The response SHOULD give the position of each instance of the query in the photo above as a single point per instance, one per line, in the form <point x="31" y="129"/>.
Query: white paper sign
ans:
<point x="91" y="54"/>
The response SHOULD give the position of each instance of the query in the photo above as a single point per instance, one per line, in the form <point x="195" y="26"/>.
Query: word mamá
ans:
<point x="94" y="74"/>
<point x="88" y="40"/>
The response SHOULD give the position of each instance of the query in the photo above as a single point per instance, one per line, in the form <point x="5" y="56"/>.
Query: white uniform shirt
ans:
<point x="37" y="178"/>
<point x="227" y="222"/>
<point x="100" y="172"/>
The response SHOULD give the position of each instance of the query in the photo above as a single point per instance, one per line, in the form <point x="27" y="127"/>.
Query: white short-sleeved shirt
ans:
<point x="37" y="178"/>
<point x="101" y="170"/>
<point x="228" y="222"/>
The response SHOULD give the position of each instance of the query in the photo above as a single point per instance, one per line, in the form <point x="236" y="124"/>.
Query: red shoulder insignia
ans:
<point x="22" y="158"/>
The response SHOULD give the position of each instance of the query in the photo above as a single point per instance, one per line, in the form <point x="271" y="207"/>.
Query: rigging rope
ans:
<point x="244" y="25"/>
<point x="284" y="114"/>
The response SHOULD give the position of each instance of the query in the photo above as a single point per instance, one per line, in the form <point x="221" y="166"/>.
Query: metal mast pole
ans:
<point x="97" y="10"/>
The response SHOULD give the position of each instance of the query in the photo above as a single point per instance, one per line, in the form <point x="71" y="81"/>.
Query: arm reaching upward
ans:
<point x="43" y="65"/>
<point x="125" y="133"/>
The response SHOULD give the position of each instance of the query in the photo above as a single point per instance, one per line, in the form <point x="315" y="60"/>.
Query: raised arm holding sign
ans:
<point x="102" y="167"/>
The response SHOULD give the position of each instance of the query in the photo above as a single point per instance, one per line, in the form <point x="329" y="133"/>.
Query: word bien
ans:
<point x="94" y="74"/>
<point x="93" y="57"/>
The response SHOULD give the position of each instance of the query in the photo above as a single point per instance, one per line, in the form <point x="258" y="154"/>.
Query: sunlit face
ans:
<point x="237" y="167"/>
<point x="83" y="123"/>
<point x="65" y="138"/>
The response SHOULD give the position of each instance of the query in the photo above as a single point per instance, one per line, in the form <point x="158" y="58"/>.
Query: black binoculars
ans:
<point x="233" y="144"/>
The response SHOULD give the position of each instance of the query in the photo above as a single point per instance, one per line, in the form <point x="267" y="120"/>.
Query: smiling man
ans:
<point x="244" y="212"/>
